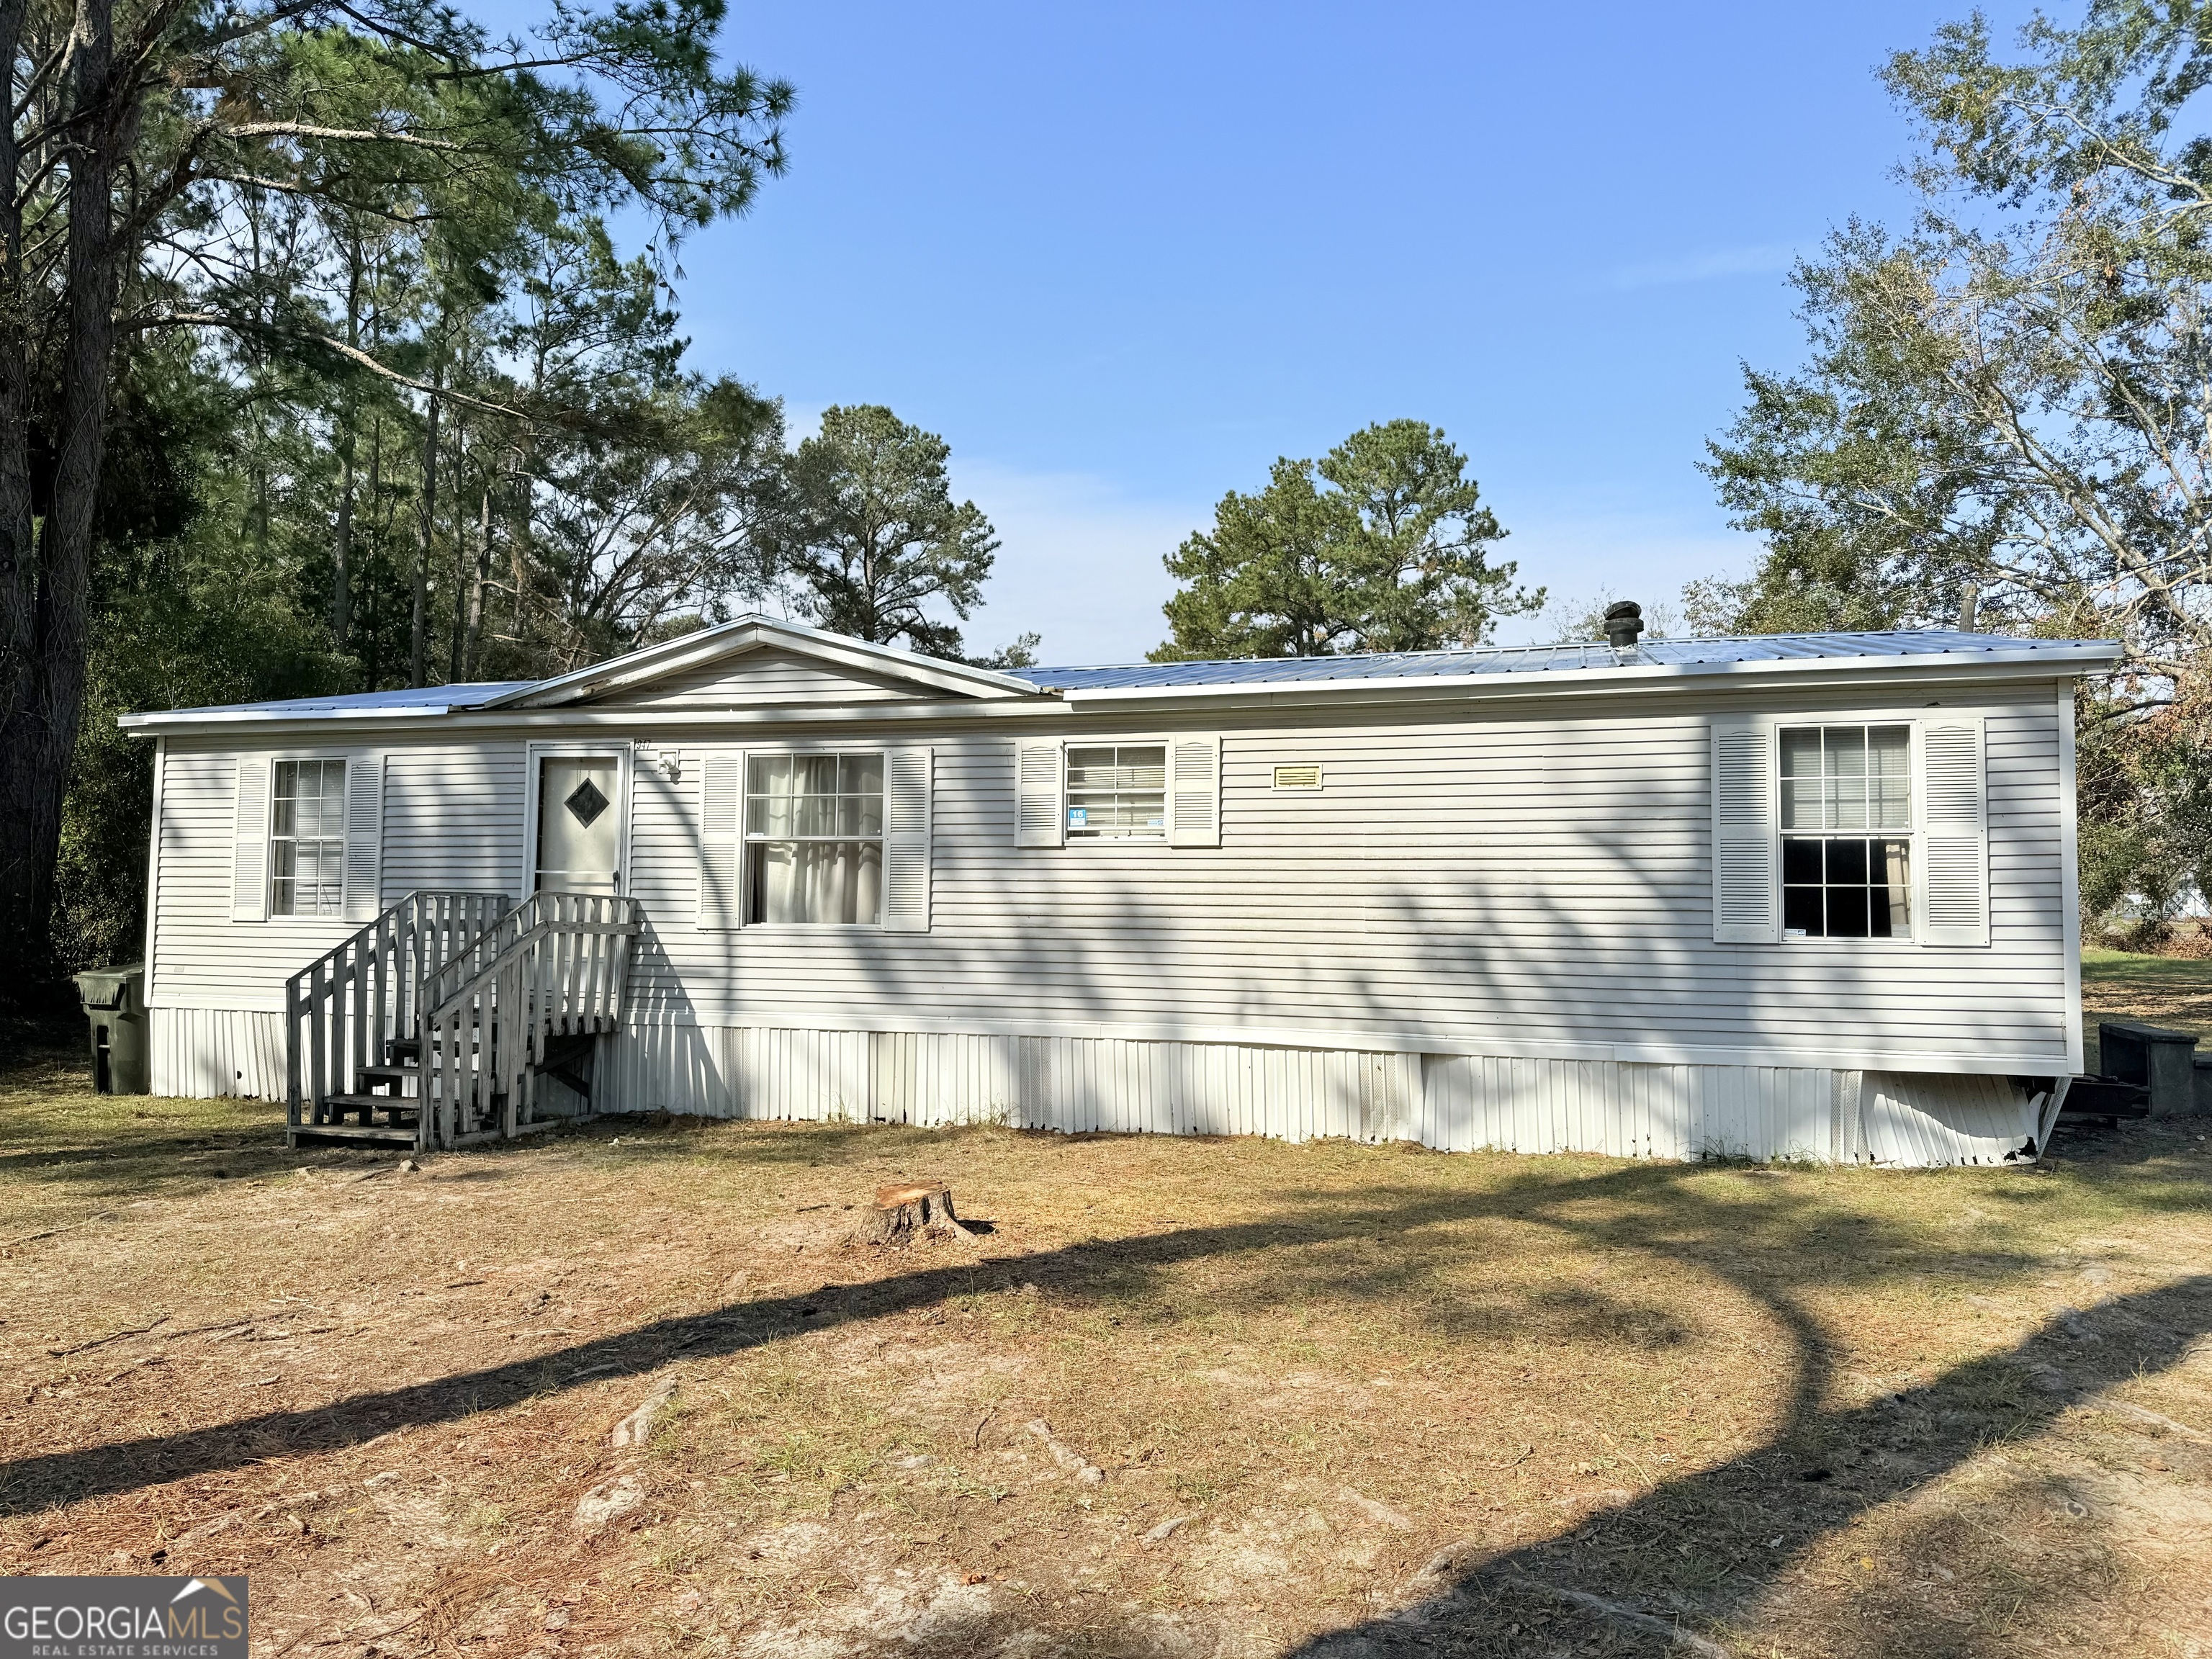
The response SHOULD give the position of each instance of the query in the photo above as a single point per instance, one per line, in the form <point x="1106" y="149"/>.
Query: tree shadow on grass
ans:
<point x="1774" y="1243"/>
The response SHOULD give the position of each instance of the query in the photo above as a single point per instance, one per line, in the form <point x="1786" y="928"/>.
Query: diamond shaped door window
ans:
<point x="586" y="801"/>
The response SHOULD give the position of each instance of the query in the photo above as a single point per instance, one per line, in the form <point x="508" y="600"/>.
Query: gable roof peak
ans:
<point x="751" y="632"/>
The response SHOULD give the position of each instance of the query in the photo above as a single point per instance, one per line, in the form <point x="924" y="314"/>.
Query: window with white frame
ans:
<point x="1846" y="832"/>
<point x="814" y="839"/>
<point x="306" y="838"/>
<point x="1117" y="792"/>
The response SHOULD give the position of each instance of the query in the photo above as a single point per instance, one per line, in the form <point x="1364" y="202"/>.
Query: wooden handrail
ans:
<point x="342" y="1011"/>
<point x="556" y="966"/>
<point x="544" y="930"/>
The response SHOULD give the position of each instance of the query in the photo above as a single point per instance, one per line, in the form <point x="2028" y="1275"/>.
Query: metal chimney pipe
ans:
<point x="1623" y="622"/>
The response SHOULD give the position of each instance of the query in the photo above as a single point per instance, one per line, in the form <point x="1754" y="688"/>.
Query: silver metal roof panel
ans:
<point x="1588" y="666"/>
<point x="1551" y="659"/>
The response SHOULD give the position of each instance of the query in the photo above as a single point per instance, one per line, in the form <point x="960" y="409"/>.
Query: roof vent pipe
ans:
<point x="1623" y="622"/>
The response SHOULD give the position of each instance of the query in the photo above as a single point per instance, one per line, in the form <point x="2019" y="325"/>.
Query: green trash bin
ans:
<point x="115" y="1009"/>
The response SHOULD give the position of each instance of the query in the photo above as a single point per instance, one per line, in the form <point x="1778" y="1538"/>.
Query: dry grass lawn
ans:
<point x="1185" y="1397"/>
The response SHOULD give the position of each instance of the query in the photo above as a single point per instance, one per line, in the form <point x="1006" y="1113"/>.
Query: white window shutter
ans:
<point x="1195" y="792"/>
<point x="906" y="840"/>
<point x="249" y="846"/>
<point x="1040" y="805"/>
<point x="1953" y="791"/>
<point x="721" y="840"/>
<point x="1746" y="847"/>
<point x="364" y="836"/>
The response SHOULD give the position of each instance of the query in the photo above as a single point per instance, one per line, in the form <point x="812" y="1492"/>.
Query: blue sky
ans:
<point x="1121" y="258"/>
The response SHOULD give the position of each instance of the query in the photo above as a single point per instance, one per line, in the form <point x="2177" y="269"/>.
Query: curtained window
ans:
<point x="814" y="839"/>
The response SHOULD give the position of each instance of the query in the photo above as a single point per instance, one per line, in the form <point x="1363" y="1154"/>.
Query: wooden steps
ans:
<point x="382" y="1133"/>
<point x="439" y="1023"/>
<point x="2105" y="1098"/>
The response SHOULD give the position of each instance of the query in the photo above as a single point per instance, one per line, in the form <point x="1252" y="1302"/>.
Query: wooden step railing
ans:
<point x="556" y="967"/>
<point x="344" y="1010"/>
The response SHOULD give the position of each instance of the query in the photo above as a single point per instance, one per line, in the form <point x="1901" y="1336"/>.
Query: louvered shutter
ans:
<point x="906" y="840"/>
<point x="1195" y="792"/>
<point x="721" y="841"/>
<point x="364" y="843"/>
<point x="1746" y="908"/>
<point x="249" y="845"/>
<point x="1040" y="812"/>
<point x="1953" y="791"/>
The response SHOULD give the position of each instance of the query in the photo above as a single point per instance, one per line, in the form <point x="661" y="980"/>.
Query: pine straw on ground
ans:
<point x="1339" y="1399"/>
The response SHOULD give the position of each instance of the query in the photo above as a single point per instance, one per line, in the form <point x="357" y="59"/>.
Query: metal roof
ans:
<point x="422" y="700"/>
<point x="1591" y="665"/>
<point x="1554" y="658"/>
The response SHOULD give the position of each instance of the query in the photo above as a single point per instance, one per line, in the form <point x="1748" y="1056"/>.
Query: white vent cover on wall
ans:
<point x="1298" y="777"/>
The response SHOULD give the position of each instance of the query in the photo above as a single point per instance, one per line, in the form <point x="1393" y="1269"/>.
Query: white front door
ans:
<point x="579" y="823"/>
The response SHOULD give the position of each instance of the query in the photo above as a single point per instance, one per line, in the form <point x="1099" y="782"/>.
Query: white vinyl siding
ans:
<point x="761" y="678"/>
<point x="1534" y="876"/>
<point x="454" y="816"/>
<point x="451" y="817"/>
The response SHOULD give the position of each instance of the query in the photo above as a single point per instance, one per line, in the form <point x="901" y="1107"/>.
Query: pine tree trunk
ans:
<point x="47" y="585"/>
<point x="342" y="533"/>
<point x="372" y="665"/>
<point x="426" y="522"/>
<point x="476" y="589"/>
<point x="456" y="641"/>
<point x="342" y="546"/>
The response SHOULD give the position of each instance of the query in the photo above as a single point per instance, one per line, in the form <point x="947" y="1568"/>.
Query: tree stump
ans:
<point x="904" y="1213"/>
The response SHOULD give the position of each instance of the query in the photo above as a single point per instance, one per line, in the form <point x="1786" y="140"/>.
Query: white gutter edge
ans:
<point x="570" y="717"/>
<point x="173" y="717"/>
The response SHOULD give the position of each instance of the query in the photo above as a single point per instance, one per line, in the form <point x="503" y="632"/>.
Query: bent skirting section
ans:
<point x="1453" y="1102"/>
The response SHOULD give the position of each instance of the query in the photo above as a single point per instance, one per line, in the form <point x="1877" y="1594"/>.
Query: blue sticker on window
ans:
<point x="1078" y="817"/>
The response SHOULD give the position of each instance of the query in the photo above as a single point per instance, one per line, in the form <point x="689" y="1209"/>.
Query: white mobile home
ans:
<point x="1807" y="895"/>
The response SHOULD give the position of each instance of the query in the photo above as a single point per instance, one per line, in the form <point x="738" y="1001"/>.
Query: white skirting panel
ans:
<point x="1763" y="1112"/>
<point x="1626" y="1110"/>
<point x="202" y="1053"/>
<point x="1454" y="1102"/>
<point x="1076" y="1084"/>
<point x="1917" y="1119"/>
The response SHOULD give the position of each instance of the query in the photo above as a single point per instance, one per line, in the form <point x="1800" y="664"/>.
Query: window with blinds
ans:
<point x="307" y="838"/>
<point x="1117" y="792"/>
